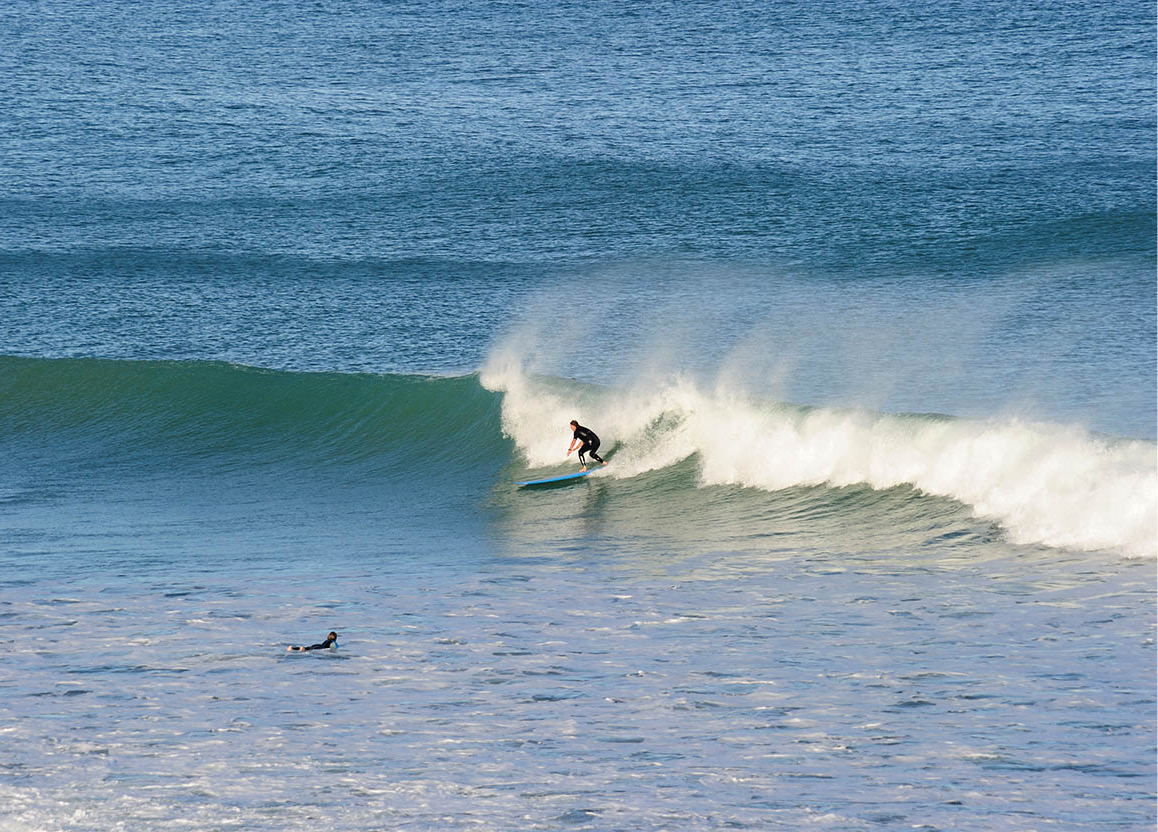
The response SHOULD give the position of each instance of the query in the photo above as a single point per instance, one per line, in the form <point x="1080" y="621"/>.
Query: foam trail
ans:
<point x="1045" y="483"/>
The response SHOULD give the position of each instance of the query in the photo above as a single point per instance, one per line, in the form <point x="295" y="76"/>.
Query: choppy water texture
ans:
<point x="860" y="298"/>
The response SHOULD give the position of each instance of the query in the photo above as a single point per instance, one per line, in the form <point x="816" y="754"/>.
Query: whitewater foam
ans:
<point x="1049" y="484"/>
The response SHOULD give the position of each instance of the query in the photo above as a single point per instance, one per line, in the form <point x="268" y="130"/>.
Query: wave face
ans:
<point x="159" y="415"/>
<point x="1043" y="483"/>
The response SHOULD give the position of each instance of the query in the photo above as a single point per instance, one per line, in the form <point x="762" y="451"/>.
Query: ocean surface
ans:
<point x="860" y="297"/>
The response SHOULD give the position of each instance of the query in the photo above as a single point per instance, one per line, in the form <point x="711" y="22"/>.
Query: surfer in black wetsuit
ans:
<point x="588" y="442"/>
<point x="331" y="641"/>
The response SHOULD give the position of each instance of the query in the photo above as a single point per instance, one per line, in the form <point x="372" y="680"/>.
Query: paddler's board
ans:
<point x="563" y="478"/>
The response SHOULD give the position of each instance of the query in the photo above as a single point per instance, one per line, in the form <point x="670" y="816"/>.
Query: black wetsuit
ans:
<point x="590" y="444"/>
<point x="323" y="646"/>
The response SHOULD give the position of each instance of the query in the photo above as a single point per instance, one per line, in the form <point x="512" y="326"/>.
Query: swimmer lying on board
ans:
<point x="331" y="641"/>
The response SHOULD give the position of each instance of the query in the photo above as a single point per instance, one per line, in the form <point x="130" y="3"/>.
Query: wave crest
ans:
<point x="1044" y="483"/>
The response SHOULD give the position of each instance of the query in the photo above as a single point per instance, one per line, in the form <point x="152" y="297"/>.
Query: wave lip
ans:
<point x="1047" y="484"/>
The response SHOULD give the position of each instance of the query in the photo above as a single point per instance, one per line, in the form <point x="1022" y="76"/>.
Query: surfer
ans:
<point x="588" y="442"/>
<point x="331" y="641"/>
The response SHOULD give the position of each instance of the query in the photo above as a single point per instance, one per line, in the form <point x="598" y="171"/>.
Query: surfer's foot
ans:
<point x="584" y="468"/>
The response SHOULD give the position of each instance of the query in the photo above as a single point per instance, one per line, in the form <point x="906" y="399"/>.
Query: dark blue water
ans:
<point x="876" y="135"/>
<point x="206" y="184"/>
<point x="862" y="296"/>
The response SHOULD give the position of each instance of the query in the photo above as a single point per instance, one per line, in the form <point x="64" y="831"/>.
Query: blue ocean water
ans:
<point x="861" y="298"/>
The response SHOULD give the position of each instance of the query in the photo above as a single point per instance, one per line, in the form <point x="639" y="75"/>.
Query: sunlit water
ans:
<point x="861" y="300"/>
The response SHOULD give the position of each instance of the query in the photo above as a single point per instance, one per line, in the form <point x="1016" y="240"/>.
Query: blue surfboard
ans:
<point x="561" y="478"/>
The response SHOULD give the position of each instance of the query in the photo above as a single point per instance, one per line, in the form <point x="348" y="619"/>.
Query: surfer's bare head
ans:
<point x="332" y="636"/>
<point x="574" y="424"/>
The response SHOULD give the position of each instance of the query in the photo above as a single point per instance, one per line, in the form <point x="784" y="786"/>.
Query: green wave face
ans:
<point x="159" y="414"/>
<point x="700" y="465"/>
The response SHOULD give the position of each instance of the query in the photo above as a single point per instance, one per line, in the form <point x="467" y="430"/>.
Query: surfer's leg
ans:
<point x="591" y="450"/>
<point x="584" y="448"/>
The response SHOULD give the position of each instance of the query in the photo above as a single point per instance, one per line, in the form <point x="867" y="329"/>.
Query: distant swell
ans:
<point x="1044" y="483"/>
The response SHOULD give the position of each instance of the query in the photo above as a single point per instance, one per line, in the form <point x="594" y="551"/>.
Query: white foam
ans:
<point x="1045" y="483"/>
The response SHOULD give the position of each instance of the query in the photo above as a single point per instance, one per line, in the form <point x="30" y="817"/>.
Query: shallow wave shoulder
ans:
<point x="158" y="412"/>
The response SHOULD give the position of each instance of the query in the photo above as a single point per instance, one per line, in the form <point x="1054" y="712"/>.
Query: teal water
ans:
<point x="861" y="297"/>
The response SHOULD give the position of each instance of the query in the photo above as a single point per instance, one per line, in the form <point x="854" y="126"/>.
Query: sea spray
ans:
<point x="1044" y="483"/>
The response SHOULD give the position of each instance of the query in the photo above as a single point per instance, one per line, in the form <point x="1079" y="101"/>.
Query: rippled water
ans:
<point x="860" y="297"/>
<point x="611" y="687"/>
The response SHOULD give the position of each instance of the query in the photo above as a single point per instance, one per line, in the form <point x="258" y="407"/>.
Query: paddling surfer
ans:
<point x="331" y="641"/>
<point x="587" y="441"/>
